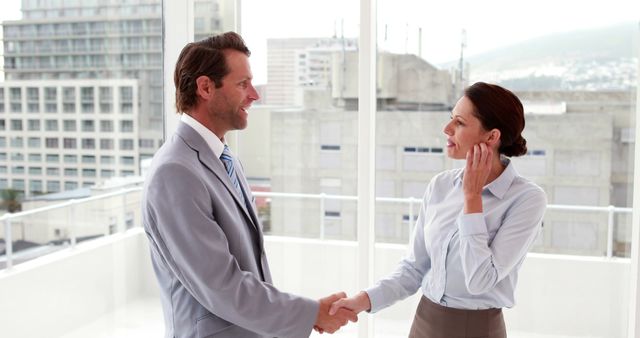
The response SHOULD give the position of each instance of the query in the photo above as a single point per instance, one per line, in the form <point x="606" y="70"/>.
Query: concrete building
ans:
<point x="113" y="39"/>
<point x="296" y="64"/>
<point x="64" y="134"/>
<point x="314" y="150"/>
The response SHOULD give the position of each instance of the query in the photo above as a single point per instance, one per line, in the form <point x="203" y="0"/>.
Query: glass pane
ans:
<point x="299" y="149"/>
<point x="75" y="72"/>
<point x="576" y="76"/>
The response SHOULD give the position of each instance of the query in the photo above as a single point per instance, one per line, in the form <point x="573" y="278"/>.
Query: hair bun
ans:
<point x="517" y="148"/>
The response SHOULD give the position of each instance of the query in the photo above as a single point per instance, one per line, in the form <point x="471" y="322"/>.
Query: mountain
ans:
<point x="595" y="59"/>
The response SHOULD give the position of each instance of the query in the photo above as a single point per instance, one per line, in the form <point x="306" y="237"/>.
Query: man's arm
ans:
<point x="196" y="250"/>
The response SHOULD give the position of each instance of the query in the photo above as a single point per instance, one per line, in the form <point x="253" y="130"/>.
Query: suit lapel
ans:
<point x="250" y="201"/>
<point x="209" y="160"/>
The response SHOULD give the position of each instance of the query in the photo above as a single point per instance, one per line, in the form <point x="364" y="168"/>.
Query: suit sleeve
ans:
<point x="179" y="213"/>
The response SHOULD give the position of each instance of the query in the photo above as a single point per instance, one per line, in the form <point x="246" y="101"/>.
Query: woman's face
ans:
<point x="464" y="130"/>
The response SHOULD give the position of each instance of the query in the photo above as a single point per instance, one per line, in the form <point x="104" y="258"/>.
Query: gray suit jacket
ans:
<point x="207" y="250"/>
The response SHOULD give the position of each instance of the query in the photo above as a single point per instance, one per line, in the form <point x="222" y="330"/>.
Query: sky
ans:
<point x="485" y="22"/>
<point x="442" y="21"/>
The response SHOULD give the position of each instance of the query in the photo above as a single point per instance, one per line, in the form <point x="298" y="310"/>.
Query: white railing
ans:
<point x="71" y="205"/>
<point x="6" y="219"/>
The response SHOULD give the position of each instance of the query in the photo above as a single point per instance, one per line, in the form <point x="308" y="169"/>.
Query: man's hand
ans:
<point x="331" y="323"/>
<point x="357" y="303"/>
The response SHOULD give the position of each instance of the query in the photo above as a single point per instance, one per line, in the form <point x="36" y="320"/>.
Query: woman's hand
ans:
<point x="357" y="303"/>
<point x="476" y="173"/>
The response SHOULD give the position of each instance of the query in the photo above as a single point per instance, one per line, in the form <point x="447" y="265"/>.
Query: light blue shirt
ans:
<point x="467" y="261"/>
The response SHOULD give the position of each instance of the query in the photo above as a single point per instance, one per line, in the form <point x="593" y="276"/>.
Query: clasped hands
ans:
<point x="337" y="310"/>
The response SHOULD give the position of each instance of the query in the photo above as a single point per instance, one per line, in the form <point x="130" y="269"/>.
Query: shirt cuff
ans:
<point x="472" y="224"/>
<point x="376" y="297"/>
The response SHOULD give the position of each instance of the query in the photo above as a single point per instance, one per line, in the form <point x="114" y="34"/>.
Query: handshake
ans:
<point x="337" y="310"/>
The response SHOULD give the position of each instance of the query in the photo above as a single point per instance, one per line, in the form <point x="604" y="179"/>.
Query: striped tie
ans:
<point x="227" y="159"/>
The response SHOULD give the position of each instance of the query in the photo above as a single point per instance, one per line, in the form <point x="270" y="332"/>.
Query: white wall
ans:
<point x="557" y="295"/>
<point x="59" y="292"/>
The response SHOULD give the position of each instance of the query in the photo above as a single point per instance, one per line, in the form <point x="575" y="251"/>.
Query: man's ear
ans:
<point x="204" y="87"/>
<point x="494" y="137"/>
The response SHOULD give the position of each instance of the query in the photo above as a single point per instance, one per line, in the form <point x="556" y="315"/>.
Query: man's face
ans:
<point x="230" y="104"/>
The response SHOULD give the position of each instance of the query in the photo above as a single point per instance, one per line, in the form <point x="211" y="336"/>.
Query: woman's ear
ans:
<point x="494" y="137"/>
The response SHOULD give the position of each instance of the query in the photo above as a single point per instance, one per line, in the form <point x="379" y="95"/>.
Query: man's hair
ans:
<point x="205" y="57"/>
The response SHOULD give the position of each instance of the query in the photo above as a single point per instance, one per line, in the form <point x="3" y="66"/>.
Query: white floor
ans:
<point x="143" y="319"/>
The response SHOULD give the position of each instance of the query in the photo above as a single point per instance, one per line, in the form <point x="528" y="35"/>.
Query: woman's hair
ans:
<point x="205" y="57"/>
<point x="499" y="108"/>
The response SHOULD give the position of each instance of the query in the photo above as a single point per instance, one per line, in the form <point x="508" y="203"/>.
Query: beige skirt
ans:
<point x="436" y="321"/>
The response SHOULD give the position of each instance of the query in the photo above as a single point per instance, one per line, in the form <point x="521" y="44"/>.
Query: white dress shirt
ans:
<point x="212" y="139"/>
<point x="467" y="261"/>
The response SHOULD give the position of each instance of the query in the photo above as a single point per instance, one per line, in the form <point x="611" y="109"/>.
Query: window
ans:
<point x="35" y="171"/>
<point x="126" y="144"/>
<point x="106" y="144"/>
<point x="34" y="142"/>
<point x="53" y="186"/>
<point x="106" y="173"/>
<point x="16" y="107"/>
<point x="16" y="125"/>
<point x="70" y="172"/>
<point x="88" y="143"/>
<point x="51" y="93"/>
<point x="53" y="158"/>
<point x="35" y="158"/>
<point x="330" y="147"/>
<point x="69" y="100"/>
<point x="106" y="126"/>
<point x="51" y="142"/>
<point x="69" y="143"/>
<point x="70" y="185"/>
<point x="53" y="171"/>
<point x="70" y="158"/>
<point x="17" y="142"/>
<point x="107" y="160"/>
<point x="51" y="125"/>
<point x="69" y="125"/>
<point x="17" y="170"/>
<point x="18" y="184"/>
<point x="87" y="125"/>
<point x="33" y="125"/>
<point x="88" y="159"/>
<point x="17" y="157"/>
<point x="88" y="173"/>
<point x="145" y="143"/>
<point x="126" y="160"/>
<point x="126" y="126"/>
<point x="15" y="94"/>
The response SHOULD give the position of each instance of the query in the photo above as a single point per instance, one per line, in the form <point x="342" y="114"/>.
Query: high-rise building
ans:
<point x="297" y="64"/>
<point x="64" y="134"/>
<point x="101" y="39"/>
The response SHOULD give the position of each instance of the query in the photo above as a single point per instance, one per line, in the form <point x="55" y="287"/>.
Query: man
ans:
<point x="199" y="215"/>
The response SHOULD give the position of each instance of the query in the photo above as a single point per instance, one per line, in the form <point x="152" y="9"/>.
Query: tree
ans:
<point x="11" y="200"/>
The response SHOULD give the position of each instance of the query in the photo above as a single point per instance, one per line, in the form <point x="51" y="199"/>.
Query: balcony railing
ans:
<point x="125" y="214"/>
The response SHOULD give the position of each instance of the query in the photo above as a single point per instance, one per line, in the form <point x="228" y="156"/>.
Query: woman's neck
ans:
<point x="496" y="169"/>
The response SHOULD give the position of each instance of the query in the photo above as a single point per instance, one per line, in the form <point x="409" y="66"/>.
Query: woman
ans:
<point x="474" y="229"/>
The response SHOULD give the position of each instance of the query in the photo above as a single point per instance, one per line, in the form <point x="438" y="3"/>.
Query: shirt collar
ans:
<point x="216" y="145"/>
<point x="500" y="185"/>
